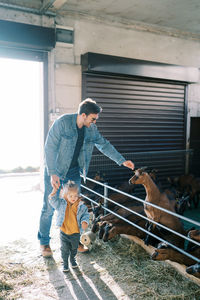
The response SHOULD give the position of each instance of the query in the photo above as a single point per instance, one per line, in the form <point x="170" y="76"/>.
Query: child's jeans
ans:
<point x="69" y="246"/>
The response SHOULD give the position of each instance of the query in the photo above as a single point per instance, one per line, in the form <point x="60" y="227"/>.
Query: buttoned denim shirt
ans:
<point x="61" y="141"/>
<point x="60" y="205"/>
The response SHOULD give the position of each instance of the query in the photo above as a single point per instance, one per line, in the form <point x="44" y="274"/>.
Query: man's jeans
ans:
<point x="47" y="210"/>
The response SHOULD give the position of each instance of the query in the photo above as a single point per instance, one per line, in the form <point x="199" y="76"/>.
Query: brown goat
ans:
<point x="194" y="234"/>
<point x="179" y="200"/>
<point x="195" y="191"/>
<point x="182" y="182"/>
<point x="172" y="254"/>
<point x="188" y="184"/>
<point x="110" y="225"/>
<point x="194" y="270"/>
<point x="154" y="196"/>
<point x="118" y="198"/>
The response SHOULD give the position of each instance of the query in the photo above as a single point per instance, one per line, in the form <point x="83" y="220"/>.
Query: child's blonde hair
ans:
<point x="70" y="185"/>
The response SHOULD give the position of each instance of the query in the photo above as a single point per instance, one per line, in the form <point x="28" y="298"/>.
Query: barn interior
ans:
<point x="139" y="60"/>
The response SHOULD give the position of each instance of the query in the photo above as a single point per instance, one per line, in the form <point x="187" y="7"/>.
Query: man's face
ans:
<point x="91" y="118"/>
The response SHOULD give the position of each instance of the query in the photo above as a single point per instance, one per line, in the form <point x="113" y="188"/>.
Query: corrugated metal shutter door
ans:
<point x="140" y="116"/>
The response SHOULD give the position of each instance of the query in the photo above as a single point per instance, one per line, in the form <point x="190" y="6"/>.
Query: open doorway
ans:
<point x="21" y="120"/>
<point x="22" y="136"/>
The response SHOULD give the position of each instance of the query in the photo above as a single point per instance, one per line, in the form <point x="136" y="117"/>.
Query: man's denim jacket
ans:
<point x="60" y="205"/>
<point x="61" y="142"/>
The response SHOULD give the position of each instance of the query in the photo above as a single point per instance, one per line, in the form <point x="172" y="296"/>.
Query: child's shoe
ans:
<point x="65" y="269"/>
<point x="74" y="263"/>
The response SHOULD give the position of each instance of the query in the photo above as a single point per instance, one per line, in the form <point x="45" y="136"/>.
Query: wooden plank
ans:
<point x="150" y="249"/>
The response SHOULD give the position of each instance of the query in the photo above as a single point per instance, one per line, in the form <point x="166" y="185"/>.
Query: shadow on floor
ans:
<point x="76" y="284"/>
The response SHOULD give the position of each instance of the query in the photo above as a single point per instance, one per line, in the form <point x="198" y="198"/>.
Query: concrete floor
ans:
<point x="21" y="202"/>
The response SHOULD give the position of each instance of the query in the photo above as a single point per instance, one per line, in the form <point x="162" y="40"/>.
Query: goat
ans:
<point x="195" y="191"/>
<point x="110" y="225"/>
<point x="195" y="234"/>
<point x="154" y="196"/>
<point x="172" y="254"/>
<point x="188" y="184"/>
<point x="178" y="200"/>
<point x="194" y="270"/>
<point x="118" y="198"/>
<point x="182" y="182"/>
<point x="123" y="199"/>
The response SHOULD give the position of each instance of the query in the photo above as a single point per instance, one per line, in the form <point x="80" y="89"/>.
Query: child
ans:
<point x="72" y="218"/>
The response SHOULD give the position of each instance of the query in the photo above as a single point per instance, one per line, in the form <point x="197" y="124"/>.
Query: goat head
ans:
<point x="137" y="174"/>
<point x="194" y="270"/>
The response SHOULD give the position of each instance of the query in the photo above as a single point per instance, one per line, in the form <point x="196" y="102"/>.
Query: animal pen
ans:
<point x="105" y="195"/>
<point x="168" y="163"/>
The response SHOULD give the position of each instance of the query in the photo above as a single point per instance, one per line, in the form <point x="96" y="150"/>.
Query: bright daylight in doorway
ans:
<point x="20" y="113"/>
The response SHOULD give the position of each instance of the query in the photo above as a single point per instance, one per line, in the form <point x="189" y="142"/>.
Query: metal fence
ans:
<point x="106" y="187"/>
<point x="167" y="163"/>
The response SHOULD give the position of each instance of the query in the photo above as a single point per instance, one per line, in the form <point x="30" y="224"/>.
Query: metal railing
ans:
<point x="106" y="209"/>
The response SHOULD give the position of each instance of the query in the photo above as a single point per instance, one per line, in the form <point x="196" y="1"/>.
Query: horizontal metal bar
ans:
<point x="155" y="236"/>
<point x="120" y="81"/>
<point x="144" y="202"/>
<point x="146" y="218"/>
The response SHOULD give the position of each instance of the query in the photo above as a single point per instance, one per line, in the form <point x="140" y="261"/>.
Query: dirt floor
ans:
<point x="118" y="269"/>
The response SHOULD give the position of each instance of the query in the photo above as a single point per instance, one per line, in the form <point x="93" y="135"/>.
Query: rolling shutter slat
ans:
<point x="139" y="116"/>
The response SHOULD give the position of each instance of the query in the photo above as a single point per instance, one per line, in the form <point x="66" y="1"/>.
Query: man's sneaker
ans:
<point x="46" y="251"/>
<point x="82" y="249"/>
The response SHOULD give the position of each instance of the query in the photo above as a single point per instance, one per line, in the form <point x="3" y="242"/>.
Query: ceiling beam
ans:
<point x="59" y="3"/>
<point x="45" y="6"/>
<point x="25" y="9"/>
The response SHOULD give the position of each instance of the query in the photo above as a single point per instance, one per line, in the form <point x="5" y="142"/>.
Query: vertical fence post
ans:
<point x="105" y="195"/>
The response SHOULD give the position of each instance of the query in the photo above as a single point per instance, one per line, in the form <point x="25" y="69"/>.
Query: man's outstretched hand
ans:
<point x="129" y="164"/>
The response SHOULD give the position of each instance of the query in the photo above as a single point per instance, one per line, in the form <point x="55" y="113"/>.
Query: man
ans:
<point x="68" y="150"/>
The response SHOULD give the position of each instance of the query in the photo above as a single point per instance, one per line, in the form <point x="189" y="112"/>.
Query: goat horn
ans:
<point x="143" y="168"/>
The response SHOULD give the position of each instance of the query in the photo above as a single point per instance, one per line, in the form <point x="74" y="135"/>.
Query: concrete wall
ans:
<point x="92" y="35"/>
<point x="194" y="100"/>
<point x="119" y="40"/>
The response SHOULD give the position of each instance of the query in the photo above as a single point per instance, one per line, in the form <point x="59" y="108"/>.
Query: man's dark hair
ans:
<point x="89" y="106"/>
